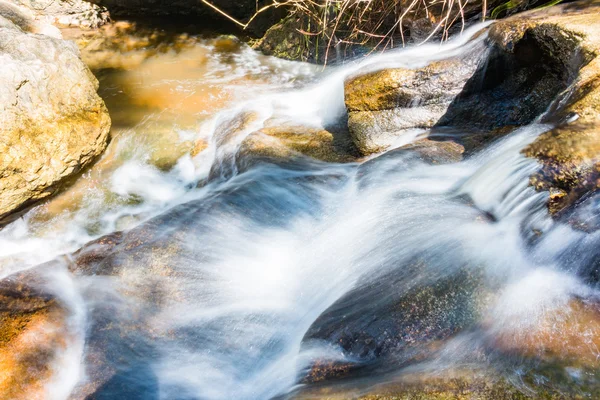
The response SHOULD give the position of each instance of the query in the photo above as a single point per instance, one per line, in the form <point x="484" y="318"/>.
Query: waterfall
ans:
<point x="229" y="283"/>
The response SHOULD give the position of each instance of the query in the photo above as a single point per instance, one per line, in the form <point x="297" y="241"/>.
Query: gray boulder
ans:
<point x="52" y="121"/>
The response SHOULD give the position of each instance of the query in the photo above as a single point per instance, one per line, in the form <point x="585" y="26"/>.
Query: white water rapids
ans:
<point x="217" y="303"/>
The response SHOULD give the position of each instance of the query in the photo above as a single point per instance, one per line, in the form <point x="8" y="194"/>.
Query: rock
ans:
<point x="402" y="158"/>
<point x="529" y="64"/>
<point x="554" y="349"/>
<point x="387" y="104"/>
<point x="570" y="153"/>
<point x="411" y="319"/>
<point x="285" y="40"/>
<point x="453" y="384"/>
<point x="32" y="333"/>
<point x="462" y="384"/>
<point x="435" y="152"/>
<point x="529" y="61"/>
<point x="564" y="335"/>
<point x="532" y="59"/>
<point x="65" y="13"/>
<point x="25" y="20"/>
<point x="52" y="122"/>
<point x="281" y="142"/>
<point x="244" y="140"/>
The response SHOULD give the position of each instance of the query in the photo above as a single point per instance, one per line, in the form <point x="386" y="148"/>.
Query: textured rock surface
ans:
<point x="52" y="122"/>
<point x="530" y="60"/>
<point x="461" y="384"/>
<point x="79" y="13"/>
<point x="251" y="141"/>
<point x="284" y="40"/>
<point x="570" y="154"/>
<point x="282" y="142"/>
<point x="25" y="20"/>
<point x="385" y="105"/>
<point x="533" y="59"/>
<point x="32" y="334"/>
<point x="528" y="66"/>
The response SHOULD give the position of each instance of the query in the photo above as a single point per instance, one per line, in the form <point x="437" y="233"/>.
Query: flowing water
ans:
<point x="232" y="282"/>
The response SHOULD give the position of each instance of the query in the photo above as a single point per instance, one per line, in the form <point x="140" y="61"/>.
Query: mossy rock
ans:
<point x="284" y="40"/>
<point x="570" y="153"/>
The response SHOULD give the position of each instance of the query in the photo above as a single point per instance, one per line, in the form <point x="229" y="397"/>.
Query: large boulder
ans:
<point x="415" y="313"/>
<point x="385" y="105"/>
<point x="528" y="61"/>
<point x="52" y="122"/>
<point x="570" y="153"/>
<point x="542" y="63"/>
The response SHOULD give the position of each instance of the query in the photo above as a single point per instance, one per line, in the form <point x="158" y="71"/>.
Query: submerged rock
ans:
<point x="562" y="336"/>
<point x="32" y="332"/>
<point x="410" y="321"/>
<point x="460" y="384"/>
<point x="426" y="151"/>
<point x="53" y="123"/>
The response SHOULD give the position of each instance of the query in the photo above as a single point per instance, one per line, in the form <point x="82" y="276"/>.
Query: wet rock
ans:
<point x="564" y="336"/>
<point x="431" y="151"/>
<point x="245" y="140"/>
<point x="532" y="60"/>
<point x="551" y="354"/>
<point x="570" y="153"/>
<point x="65" y="13"/>
<point x="87" y="258"/>
<point x="385" y="105"/>
<point x="53" y="123"/>
<point x="529" y="61"/>
<point x="281" y="142"/>
<point x="426" y="151"/>
<point x="443" y="385"/>
<point x="411" y="318"/>
<point x="436" y="152"/>
<point x="32" y="333"/>
<point x="523" y="74"/>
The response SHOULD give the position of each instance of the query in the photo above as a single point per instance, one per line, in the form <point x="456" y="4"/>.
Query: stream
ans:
<point x="191" y="269"/>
